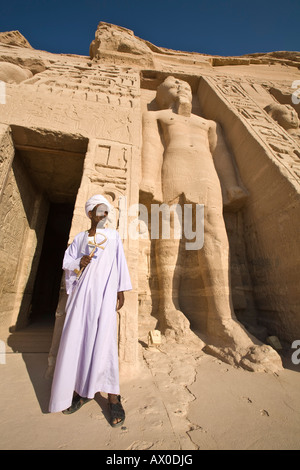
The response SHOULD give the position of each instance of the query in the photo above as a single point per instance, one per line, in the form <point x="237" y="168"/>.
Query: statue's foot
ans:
<point x="234" y="345"/>
<point x="176" y="327"/>
<point x="174" y="323"/>
<point x="255" y="358"/>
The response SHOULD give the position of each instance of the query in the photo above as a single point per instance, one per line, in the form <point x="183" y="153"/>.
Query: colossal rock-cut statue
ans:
<point x="182" y="156"/>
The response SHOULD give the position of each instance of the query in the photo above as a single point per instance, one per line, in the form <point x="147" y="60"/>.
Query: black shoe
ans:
<point x="77" y="403"/>
<point x="116" y="412"/>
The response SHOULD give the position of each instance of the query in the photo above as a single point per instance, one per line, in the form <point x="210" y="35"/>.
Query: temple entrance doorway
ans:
<point x="37" y="208"/>
<point x="49" y="272"/>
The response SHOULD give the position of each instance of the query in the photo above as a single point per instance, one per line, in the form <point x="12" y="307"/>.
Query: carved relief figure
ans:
<point x="184" y="158"/>
<point x="287" y="117"/>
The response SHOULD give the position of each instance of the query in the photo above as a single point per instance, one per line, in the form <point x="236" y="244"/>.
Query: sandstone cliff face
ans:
<point x="18" y="60"/>
<point x="14" y="38"/>
<point x="112" y="42"/>
<point x="71" y="126"/>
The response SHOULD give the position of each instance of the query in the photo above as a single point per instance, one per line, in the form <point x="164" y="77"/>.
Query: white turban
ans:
<point x="94" y="201"/>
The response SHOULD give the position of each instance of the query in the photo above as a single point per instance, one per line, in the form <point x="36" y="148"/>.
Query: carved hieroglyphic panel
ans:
<point x="111" y="166"/>
<point x="6" y="155"/>
<point x="97" y="101"/>
<point x="277" y="141"/>
<point x="107" y="171"/>
<point x="99" y="84"/>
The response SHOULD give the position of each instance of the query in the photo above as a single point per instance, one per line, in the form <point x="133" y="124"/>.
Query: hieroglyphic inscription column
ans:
<point x="111" y="168"/>
<point x="6" y="155"/>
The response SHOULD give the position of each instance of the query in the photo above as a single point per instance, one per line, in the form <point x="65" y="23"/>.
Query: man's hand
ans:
<point x="149" y="194"/>
<point x="236" y="198"/>
<point x="85" y="260"/>
<point x="120" y="300"/>
<point x="147" y="190"/>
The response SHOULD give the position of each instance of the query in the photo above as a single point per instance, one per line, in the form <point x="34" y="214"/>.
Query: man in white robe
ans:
<point x="87" y="359"/>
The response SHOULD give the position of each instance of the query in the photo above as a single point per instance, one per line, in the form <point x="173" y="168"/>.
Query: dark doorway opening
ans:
<point x="49" y="273"/>
<point x="46" y="176"/>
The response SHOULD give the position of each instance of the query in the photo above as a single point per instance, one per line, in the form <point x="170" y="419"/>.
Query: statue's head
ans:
<point x="284" y="114"/>
<point x="173" y="91"/>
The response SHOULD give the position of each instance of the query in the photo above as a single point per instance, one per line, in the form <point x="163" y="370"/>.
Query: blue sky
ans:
<point x="228" y="27"/>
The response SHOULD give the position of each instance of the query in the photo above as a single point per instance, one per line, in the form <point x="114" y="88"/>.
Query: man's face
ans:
<point x="101" y="210"/>
<point x="174" y="91"/>
<point x="98" y="213"/>
<point x="179" y="90"/>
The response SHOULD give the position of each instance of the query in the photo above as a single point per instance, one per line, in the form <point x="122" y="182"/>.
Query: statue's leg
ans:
<point x="172" y="321"/>
<point x="226" y="337"/>
<point x="215" y="269"/>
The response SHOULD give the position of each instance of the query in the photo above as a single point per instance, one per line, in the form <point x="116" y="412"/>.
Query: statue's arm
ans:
<point x="234" y="195"/>
<point x="152" y="153"/>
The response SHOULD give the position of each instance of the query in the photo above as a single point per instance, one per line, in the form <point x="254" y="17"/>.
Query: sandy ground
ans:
<point x="177" y="399"/>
